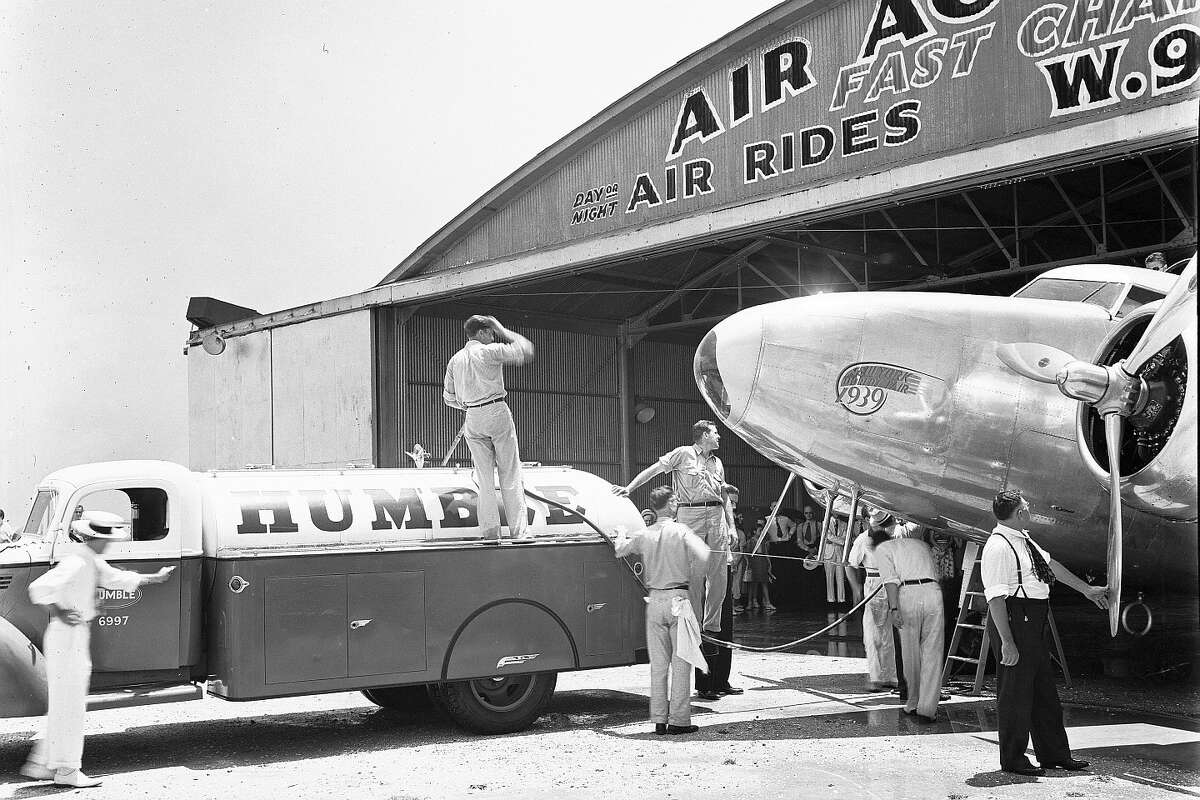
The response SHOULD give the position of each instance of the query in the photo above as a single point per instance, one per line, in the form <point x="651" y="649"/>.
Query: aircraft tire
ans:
<point x="501" y="704"/>
<point x="401" y="698"/>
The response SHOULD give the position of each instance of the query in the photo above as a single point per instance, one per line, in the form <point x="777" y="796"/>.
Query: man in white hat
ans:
<point x="68" y="591"/>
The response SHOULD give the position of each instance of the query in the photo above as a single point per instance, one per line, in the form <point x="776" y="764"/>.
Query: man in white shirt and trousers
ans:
<point x="673" y="559"/>
<point x="1017" y="575"/>
<point x="474" y="384"/>
<point x="68" y="591"/>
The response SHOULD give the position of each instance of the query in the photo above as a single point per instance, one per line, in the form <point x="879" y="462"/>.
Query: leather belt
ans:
<point x="669" y="588"/>
<point x="917" y="581"/>
<point x="488" y="403"/>
<point x="872" y="573"/>
<point x="705" y="503"/>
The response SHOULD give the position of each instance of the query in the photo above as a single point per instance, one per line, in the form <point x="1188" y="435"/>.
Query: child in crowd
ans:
<point x="758" y="571"/>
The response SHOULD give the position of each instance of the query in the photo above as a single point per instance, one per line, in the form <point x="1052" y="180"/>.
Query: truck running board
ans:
<point x="144" y="696"/>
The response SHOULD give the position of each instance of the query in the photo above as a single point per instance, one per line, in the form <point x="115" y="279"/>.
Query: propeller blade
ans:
<point x="1113" y="425"/>
<point x="1038" y="362"/>
<point x="1177" y="308"/>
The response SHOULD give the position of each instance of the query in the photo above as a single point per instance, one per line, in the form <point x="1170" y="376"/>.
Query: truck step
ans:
<point x="144" y="696"/>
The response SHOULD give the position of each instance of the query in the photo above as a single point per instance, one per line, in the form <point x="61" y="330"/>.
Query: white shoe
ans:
<point x="36" y="771"/>
<point x="75" y="777"/>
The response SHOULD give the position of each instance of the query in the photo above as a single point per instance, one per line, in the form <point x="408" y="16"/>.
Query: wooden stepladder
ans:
<point x="971" y="602"/>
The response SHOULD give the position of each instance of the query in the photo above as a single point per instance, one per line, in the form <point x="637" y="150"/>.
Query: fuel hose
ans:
<point x="711" y="639"/>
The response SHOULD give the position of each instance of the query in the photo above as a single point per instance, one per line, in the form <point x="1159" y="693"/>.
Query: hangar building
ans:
<point x="827" y="145"/>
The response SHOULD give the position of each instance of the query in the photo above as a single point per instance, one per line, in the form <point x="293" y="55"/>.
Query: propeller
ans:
<point x="1116" y="391"/>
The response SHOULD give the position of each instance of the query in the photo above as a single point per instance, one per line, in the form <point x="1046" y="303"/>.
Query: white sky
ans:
<point x="268" y="154"/>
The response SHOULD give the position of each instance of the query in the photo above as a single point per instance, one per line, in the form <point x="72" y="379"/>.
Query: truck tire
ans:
<point x="401" y="698"/>
<point x="501" y="704"/>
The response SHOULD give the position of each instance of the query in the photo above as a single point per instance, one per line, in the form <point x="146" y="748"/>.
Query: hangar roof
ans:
<point x="805" y="151"/>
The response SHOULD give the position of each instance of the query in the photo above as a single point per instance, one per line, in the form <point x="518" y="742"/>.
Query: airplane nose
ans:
<point x="726" y="363"/>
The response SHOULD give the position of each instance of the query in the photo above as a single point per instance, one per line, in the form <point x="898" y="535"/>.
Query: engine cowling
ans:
<point x="1158" y="450"/>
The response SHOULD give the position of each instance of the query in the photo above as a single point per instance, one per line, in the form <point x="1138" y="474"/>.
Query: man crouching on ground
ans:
<point x="672" y="558"/>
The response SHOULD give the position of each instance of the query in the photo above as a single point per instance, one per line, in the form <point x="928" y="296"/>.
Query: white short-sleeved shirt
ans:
<point x="905" y="557"/>
<point x="697" y="477"/>
<point x="862" y="554"/>
<point x="71" y="584"/>
<point x="999" y="568"/>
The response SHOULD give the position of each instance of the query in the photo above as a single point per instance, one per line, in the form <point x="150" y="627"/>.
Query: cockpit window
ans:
<point x="1138" y="296"/>
<point x="40" y="515"/>
<point x="1099" y="293"/>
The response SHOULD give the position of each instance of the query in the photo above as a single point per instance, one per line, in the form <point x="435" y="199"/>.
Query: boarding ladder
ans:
<point x="971" y="602"/>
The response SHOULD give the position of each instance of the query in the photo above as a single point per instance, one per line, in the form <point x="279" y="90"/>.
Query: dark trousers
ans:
<point x="719" y="664"/>
<point x="1026" y="697"/>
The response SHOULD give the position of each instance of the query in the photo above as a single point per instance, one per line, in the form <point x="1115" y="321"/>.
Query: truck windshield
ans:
<point x="40" y="515"/>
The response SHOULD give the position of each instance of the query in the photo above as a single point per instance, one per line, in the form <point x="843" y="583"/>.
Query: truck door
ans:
<point x="138" y="630"/>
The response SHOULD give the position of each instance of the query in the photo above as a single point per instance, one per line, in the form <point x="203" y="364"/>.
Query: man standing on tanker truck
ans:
<point x="475" y="384"/>
<point x="68" y="591"/>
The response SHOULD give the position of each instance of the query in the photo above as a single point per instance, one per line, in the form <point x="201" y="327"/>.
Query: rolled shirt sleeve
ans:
<point x="110" y="577"/>
<point x="628" y="545"/>
<point x="672" y="460"/>
<point x="502" y="353"/>
<point x="449" y="396"/>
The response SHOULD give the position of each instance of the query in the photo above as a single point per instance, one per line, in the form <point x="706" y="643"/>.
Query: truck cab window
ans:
<point x="40" y="515"/>
<point x="144" y="508"/>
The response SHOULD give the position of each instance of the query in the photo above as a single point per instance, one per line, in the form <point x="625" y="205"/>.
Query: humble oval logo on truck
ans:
<point x="112" y="599"/>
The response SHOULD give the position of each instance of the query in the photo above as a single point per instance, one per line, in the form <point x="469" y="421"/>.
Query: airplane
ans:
<point x="926" y="404"/>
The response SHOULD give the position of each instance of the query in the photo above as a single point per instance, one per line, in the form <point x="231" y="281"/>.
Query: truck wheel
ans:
<point x="401" y="698"/>
<point x="502" y="704"/>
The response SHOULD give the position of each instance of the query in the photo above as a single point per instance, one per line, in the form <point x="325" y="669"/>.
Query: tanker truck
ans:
<point x="296" y="582"/>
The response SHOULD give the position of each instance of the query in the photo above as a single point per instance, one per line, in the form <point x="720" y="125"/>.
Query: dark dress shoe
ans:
<point x="676" y="730"/>
<point x="1025" y="769"/>
<point x="731" y="690"/>
<point x="660" y="729"/>
<point x="1073" y="764"/>
<point x="706" y="695"/>
<point x="926" y="720"/>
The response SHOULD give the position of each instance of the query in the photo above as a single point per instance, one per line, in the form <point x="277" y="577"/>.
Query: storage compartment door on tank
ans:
<point x="602" y="626"/>
<point x="305" y="628"/>
<point x="386" y="623"/>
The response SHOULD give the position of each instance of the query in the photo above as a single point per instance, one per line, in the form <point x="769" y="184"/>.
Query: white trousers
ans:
<point x="921" y="637"/>
<point x="68" y="671"/>
<point x="877" y="636"/>
<point x="492" y="439"/>
<point x="835" y="581"/>
<point x="708" y="522"/>
<point x="670" y="700"/>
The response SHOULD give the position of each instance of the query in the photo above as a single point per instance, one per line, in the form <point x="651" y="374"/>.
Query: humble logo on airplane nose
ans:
<point x="111" y="599"/>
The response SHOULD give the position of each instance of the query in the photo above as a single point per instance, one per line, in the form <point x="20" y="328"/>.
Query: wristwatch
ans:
<point x="894" y="609"/>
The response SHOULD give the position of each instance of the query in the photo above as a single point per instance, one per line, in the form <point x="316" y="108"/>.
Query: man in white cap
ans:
<point x="68" y="591"/>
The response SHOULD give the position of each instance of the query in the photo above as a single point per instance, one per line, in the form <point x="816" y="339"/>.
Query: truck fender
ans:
<point x="22" y="674"/>
<point x="511" y="636"/>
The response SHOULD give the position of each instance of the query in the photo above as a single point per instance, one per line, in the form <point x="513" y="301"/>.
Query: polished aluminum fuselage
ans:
<point x="904" y="397"/>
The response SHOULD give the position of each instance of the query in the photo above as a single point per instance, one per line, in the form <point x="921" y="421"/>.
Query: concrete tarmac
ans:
<point x="803" y="728"/>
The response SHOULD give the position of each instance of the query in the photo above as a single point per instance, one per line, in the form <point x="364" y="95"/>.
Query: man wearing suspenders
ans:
<point x="1017" y="575"/>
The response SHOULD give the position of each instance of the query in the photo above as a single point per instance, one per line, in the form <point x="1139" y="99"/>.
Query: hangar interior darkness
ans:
<point x="616" y="339"/>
